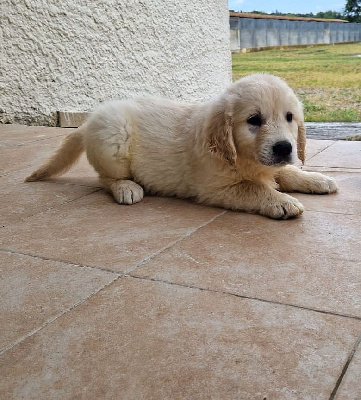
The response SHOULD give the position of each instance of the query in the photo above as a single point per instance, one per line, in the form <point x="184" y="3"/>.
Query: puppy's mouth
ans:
<point x="280" y="154"/>
<point x="275" y="162"/>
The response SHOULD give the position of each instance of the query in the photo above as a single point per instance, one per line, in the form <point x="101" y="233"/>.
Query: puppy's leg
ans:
<point x="115" y="177"/>
<point x="124" y="191"/>
<point x="257" y="198"/>
<point x="292" y="179"/>
<point x="108" y="151"/>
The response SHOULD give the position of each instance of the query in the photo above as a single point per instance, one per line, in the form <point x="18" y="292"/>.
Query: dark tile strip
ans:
<point x="345" y="367"/>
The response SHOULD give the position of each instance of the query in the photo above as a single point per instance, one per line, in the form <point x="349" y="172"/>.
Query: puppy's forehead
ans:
<point x="264" y="94"/>
<point x="259" y="85"/>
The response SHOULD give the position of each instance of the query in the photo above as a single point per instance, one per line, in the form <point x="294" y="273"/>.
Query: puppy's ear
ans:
<point x="218" y="131"/>
<point x="301" y="142"/>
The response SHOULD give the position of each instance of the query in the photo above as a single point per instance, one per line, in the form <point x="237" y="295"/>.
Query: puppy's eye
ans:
<point x="255" y="120"/>
<point x="289" y="117"/>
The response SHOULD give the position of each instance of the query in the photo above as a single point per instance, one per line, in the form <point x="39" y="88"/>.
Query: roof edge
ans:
<point x="266" y="16"/>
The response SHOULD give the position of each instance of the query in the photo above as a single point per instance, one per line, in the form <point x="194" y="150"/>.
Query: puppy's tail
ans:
<point x="63" y="159"/>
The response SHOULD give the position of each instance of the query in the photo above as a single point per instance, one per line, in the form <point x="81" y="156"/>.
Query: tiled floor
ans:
<point x="167" y="299"/>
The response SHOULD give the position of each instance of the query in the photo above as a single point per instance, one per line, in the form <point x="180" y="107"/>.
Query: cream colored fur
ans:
<point x="214" y="152"/>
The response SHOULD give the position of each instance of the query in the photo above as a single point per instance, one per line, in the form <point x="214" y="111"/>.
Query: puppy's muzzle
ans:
<point x="282" y="152"/>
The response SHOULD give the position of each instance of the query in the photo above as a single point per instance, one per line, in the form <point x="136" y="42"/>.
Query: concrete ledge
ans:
<point x="332" y="130"/>
<point x="71" y="119"/>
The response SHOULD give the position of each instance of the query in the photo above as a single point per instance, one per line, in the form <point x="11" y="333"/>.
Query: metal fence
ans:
<point x="256" y="33"/>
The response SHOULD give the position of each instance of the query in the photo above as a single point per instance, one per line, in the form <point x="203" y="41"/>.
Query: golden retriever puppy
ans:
<point x="234" y="151"/>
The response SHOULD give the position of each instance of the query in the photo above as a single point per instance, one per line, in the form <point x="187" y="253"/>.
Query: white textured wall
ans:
<point x="70" y="55"/>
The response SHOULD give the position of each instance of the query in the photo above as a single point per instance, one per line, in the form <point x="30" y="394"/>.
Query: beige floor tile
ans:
<point x="148" y="340"/>
<point x="94" y="230"/>
<point x="341" y="154"/>
<point x="82" y="173"/>
<point x="143" y="339"/>
<point x="313" y="261"/>
<point x="24" y="148"/>
<point x="314" y="147"/>
<point x="346" y="201"/>
<point x="27" y="149"/>
<point x="23" y="157"/>
<point x="15" y="135"/>
<point x="20" y="200"/>
<point x="350" y="388"/>
<point x="34" y="291"/>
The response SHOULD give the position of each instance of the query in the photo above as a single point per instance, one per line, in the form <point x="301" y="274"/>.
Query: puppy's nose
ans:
<point x="282" y="149"/>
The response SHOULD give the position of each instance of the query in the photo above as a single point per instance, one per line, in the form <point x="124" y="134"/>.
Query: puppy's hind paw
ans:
<point x="127" y="192"/>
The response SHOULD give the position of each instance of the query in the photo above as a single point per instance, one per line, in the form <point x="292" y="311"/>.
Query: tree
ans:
<point x="353" y="10"/>
<point x="330" y="15"/>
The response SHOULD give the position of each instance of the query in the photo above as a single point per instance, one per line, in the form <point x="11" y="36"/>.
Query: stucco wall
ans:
<point x="71" y="55"/>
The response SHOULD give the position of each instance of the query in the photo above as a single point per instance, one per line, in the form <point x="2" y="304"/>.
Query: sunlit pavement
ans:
<point x="167" y="299"/>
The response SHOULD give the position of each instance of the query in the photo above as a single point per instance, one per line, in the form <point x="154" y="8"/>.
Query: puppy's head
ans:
<point x="258" y="118"/>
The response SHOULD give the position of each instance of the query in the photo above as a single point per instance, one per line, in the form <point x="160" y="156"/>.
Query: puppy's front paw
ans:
<point x="321" y="184"/>
<point x="127" y="192"/>
<point x="284" y="207"/>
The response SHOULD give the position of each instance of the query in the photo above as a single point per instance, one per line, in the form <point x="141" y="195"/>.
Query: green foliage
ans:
<point x="353" y="10"/>
<point x="319" y="112"/>
<point x="326" y="15"/>
<point x="330" y="15"/>
<point x="323" y="15"/>
<point x="354" y="138"/>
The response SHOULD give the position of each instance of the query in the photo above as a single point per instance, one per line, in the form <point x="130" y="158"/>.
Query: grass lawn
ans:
<point x="326" y="78"/>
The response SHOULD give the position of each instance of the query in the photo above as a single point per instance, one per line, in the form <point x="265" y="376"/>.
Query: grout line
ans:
<point x="54" y="318"/>
<point x="319" y="152"/>
<point x="245" y="297"/>
<point x="129" y="273"/>
<point x="55" y="206"/>
<point x="132" y="269"/>
<point x="144" y="261"/>
<point x="67" y="183"/>
<point x="30" y="142"/>
<point x="325" y="168"/>
<point x="333" y="211"/>
<point x="345" y="367"/>
<point x="70" y="263"/>
<point x="118" y="276"/>
<point x="169" y="246"/>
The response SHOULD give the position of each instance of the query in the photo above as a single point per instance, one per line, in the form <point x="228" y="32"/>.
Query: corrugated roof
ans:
<point x="263" y="16"/>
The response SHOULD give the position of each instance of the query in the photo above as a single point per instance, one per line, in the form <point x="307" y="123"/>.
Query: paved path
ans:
<point x="167" y="299"/>
<point x="332" y="130"/>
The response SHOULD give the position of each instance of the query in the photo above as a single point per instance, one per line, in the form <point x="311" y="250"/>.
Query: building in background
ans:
<point x="255" y="31"/>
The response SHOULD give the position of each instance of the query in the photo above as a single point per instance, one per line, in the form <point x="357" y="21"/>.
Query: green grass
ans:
<point x="321" y="113"/>
<point x="326" y="78"/>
